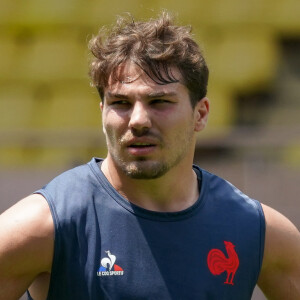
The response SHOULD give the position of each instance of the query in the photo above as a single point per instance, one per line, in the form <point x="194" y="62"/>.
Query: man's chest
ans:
<point x="170" y="262"/>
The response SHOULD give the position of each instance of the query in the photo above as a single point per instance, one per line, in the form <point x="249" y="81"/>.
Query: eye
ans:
<point x="160" y="101"/>
<point x="120" y="103"/>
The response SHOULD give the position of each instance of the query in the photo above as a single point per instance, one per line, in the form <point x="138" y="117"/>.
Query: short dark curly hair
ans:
<point x="155" y="46"/>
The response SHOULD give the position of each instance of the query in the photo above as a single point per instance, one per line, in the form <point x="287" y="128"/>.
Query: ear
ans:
<point x="101" y="105"/>
<point x="201" y="114"/>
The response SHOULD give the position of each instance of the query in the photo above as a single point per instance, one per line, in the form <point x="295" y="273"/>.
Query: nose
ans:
<point x="139" y="117"/>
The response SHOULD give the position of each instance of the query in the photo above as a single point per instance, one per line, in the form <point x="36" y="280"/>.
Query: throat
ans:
<point x="169" y="199"/>
<point x="162" y="194"/>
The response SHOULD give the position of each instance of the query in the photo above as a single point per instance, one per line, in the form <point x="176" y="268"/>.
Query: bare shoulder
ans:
<point x="27" y="242"/>
<point x="280" y="274"/>
<point x="282" y="237"/>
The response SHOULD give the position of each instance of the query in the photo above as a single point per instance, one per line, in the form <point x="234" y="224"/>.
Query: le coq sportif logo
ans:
<point x="108" y="267"/>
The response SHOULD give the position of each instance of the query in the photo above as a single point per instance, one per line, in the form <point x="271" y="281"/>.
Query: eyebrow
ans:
<point x="151" y="95"/>
<point x="119" y="96"/>
<point x="161" y="94"/>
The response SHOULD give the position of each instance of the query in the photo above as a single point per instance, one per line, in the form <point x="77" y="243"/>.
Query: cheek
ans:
<point x="178" y="123"/>
<point x="111" y="136"/>
<point x="112" y="117"/>
<point x="182" y="130"/>
<point x="113" y="125"/>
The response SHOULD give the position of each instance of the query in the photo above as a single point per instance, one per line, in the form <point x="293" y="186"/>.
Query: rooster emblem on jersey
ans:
<point x="218" y="263"/>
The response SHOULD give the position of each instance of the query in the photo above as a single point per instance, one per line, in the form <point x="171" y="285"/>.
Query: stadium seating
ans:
<point x="44" y="86"/>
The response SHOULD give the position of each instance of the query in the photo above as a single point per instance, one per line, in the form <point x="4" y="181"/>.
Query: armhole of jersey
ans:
<point x="262" y="235"/>
<point x="29" y="296"/>
<point x="57" y="242"/>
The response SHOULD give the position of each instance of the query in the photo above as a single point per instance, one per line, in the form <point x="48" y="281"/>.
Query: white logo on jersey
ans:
<point x="108" y="266"/>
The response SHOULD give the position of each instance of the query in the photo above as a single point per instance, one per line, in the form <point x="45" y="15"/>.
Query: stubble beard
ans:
<point x="144" y="169"/>
<point x="141" y="167"/>
<point x="147" y="168"/>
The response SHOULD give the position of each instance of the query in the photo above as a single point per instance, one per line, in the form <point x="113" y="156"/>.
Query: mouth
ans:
<point x="141" y="145"/>
<point x="141" y="148"/>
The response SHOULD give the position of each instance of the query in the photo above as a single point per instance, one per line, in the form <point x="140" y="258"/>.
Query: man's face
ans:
<point x="149" y="128"/>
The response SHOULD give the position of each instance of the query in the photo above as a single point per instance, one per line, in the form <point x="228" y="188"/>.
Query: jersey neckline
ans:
<point x="95" y="165"/>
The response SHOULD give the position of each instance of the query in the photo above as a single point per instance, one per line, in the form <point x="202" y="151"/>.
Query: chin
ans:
<point x="145" y="169"/>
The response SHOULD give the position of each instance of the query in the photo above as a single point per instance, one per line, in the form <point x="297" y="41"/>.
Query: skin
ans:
<point x="26" y="248"/>
<point x="280" y="274"/>
<point x="169" y="124"/>
<point x="162" y="117"/>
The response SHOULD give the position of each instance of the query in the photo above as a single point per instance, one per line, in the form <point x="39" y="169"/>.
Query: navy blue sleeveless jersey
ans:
<point x="108" y="248"/>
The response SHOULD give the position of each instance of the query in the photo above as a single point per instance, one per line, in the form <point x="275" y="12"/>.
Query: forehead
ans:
<point x="131" y="78"/>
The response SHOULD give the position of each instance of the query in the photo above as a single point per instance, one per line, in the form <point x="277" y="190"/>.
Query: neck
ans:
<point x="174" y="191"/>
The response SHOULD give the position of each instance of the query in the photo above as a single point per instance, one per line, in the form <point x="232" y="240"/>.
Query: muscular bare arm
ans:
<point x="280" y="274"/>
<point x="26" y="245"/>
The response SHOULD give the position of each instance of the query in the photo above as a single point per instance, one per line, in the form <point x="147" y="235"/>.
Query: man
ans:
<point x="144" y="223"/>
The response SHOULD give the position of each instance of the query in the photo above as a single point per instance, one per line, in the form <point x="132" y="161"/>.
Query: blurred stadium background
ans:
<point x="50" y="119"/>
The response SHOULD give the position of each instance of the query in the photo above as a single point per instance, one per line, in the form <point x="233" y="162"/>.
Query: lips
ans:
<point x="141" y="148"/>
<point x="141" y="145"/>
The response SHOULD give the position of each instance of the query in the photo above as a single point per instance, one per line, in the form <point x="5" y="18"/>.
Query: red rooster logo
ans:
<point x="218" y="263"/>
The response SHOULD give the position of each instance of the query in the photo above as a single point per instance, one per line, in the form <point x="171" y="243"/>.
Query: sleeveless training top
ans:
<point x="109" y="248"/>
